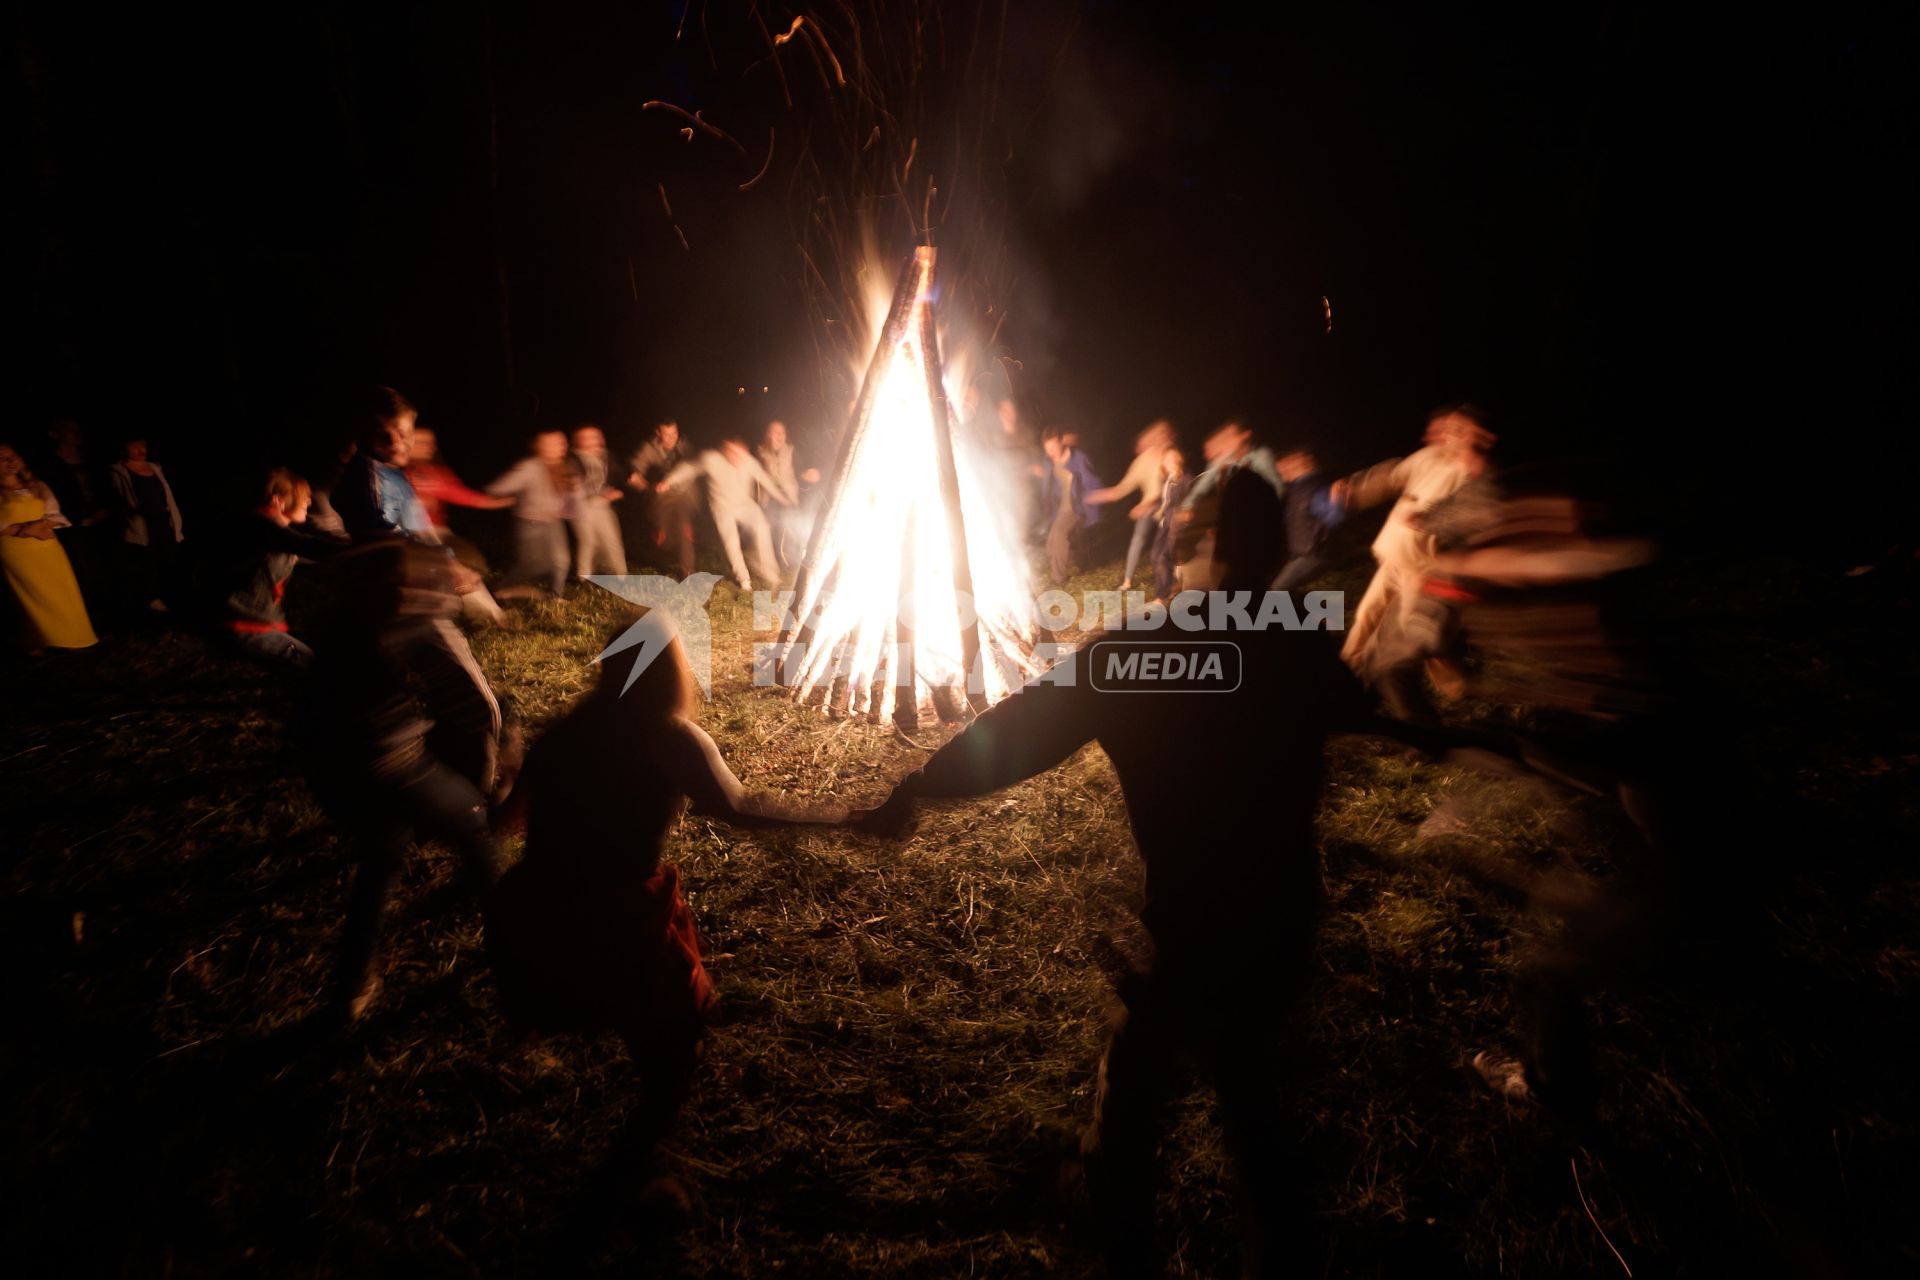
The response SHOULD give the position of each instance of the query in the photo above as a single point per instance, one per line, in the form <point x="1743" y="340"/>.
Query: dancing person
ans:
<point x="589" y="931"/>
<point x="83" y="492"/>
<point x="52" y="613"/>
<point x="260" y="556"/>
<point x="402" y="736"/>
<point x="1395" y="631"/>
<point x="1146" y="476"/>
<point x="438" y="488"/>
<point x="373" y="496"/>
<point x="729" y="475"/>
<point x="1314" y="508"/>
<point x="1173" y="494"/>
<point x="1233" y="884"/>
<point x="1229" y="450"/>
<point x="596" y="529"/>
<point x="1017" y="467"/>
<point x="671" y="512"/>
<point x="150" y="524"/>
<point x="1066" y="493"/>
<point x="788" y="521"/>
<point x="545" y="489"/>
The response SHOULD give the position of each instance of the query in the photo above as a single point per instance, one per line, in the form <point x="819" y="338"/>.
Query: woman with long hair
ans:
<point x="52" y="614"/>
<point x="589" y="931"/>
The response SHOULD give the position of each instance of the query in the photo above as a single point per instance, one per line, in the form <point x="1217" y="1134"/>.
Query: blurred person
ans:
<point x="1146" y="476"/>
<point x="258" y="557"/>
<point x="52" y="613"/>
<point x="789" y="522"/>
<point x="1173" y="494"/>
<point x="670" y="512"/>
<point x="596" y="529"/>
<point x="1545" y="575"/>
<point x="321" y="515"/>
<point x="1018" y="466"/>
<point x="1066" y="493"/>
<point x="438" y="488"/>
<point x="590" y="932"/>
<point x="1228" y="450"/>
<point x="84" y="493"/>
<point x="150" y="525"/>
<point x="729" y="475"/>
<point x="1398" y="627"/>
<point x="1314" y="508"/>
<point x="402" y="737"/>
<point x="1232" y="448"/>
<point x="546" y="490"/>
<point x="373" y="496"/>
<point x="1233" y="886"/>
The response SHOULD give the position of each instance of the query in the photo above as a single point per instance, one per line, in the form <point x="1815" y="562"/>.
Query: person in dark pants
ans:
<point x="85" y="496"/>
<point x="260" y="554"/>
<point x="391" y="765"/>
<point x="1221" y="790"/>
<point x="589" y="932"/>
<point x="1068" y="485"/>
<point x="670" y="514"/>
<point x="150" y="526"/>
<point x="1314" y="508"/>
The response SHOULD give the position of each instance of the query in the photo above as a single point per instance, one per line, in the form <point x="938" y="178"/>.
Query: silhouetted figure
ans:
<point x="1221" y="792"/>
<point x="1542" y="578"/>
<point x="402" y="735"/>
<point x="85" y="496"/>
<point x="589" y="931"/>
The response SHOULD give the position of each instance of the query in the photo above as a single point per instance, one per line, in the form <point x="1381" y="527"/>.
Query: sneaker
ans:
<point x="1504" y="1075"/>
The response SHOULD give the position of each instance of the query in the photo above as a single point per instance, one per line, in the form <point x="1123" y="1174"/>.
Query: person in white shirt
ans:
<point x="729" y="474"/>
<point x="1388" y="632"/>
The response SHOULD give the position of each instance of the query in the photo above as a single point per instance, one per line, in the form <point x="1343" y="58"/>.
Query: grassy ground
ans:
<point x="910" y="1029"/>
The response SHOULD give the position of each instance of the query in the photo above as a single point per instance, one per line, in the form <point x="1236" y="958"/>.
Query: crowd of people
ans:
<point x="405" y="738"/>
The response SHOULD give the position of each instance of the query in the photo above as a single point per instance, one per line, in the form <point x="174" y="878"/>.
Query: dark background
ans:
<point x="1681" y="241"/>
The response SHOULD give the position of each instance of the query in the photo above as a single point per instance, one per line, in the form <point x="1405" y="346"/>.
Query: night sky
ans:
<point x="1680" y="241"/>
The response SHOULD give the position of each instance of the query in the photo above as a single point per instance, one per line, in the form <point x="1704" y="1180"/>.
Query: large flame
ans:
<point x="885" y="558"/>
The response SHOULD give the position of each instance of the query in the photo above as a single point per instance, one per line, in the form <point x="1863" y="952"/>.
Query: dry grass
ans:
<point x="909" y="1029"/>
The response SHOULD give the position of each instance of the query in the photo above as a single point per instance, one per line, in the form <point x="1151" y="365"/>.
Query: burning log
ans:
<point x="876" y="619"/>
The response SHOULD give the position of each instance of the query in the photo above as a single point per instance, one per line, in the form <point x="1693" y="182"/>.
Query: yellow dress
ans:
<point x="41" y="580"/>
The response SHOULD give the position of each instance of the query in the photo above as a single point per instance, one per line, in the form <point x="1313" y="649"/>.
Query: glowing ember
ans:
<point x="887" y="607"/>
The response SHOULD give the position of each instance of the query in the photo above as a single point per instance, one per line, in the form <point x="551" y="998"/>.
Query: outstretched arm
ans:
<point x="693" y="761"/>
<point x="1025" y="735"/>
